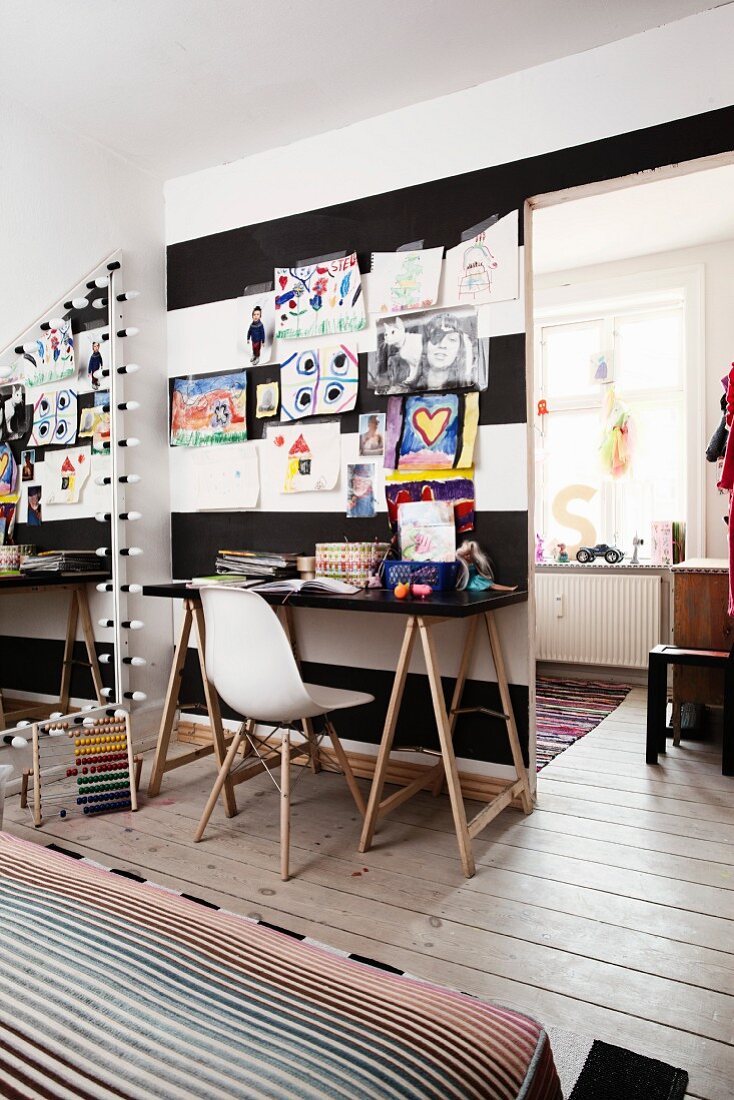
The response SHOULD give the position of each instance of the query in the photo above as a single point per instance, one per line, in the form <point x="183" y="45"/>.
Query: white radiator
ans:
<point x="596" y="619"/>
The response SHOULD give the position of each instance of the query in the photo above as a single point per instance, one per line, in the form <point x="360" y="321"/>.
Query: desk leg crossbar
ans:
<point x="445" y="770"/>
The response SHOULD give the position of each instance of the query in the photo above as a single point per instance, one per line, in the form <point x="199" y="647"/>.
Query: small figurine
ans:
<point x="401" y="591"/>
<point x="539" y="549"/>
<point x="561" y="553"/>
<point x="542" y="407"/>
<point x="636" y="543"/>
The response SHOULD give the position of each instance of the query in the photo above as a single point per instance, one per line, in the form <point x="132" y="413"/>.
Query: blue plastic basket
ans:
<point x="441" y="575"/>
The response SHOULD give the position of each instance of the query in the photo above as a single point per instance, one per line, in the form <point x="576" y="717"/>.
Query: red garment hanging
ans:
<point x="727" y="481"/>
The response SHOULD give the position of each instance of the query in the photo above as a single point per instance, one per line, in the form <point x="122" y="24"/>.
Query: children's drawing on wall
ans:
<point x="372" y="434"/>
<point x="255" y="320"/>
<point x="92" y="353"/>
<point x="300" y="458"/>
<point x="64" y="474"/>
<point x="208" y="409"/>
<point x="319" y="381"/>
<point x="94" y="423"/>
<point x="27" y="465"/>
<point x="319" y="299"/>
<point x="485" y="268"/>
<point x="268" y="399"/>
<point x="15" y="416"/>
<point x="458" y="491"/>
<point x="8" y="471"/>
<point x="8" y="513"/>
<point x="54" y="419"/>
<point x="402" y="281"/>
<point x="52" y="360"/>
<point x="34" y="518"/>
<point x="431" y="351"/>
<point x="225" y="480"/>
<point x="600" y="371"/>
<point x="431" y="431"/>
<point x="361" y="501"/>
<point x="426" y="531"/>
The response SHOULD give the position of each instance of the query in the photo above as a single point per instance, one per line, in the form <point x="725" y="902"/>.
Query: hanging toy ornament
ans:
<point x="542" y="407"/>
<point x="616" y="449"/>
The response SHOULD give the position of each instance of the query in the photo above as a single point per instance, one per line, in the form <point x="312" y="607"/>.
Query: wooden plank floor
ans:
<point x="609" y="911"/>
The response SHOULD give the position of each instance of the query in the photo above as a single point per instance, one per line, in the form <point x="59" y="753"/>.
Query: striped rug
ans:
<point x="569" y="709"/>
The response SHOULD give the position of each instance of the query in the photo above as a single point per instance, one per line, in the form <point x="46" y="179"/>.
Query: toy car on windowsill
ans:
<point x="611" y="554"/>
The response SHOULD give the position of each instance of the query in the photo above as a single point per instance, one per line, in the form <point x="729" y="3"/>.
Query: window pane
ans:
<point x="568" y="351"/>
<point x="648" y="351"/>
<point x="655" y="488"/>
<point x="571" y="459"/>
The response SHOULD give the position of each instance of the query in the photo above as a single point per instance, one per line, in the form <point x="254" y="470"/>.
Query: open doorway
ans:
<point x="633" y="340"/>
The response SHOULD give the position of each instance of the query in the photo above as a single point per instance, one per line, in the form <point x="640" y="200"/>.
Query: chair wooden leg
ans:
<point x="285" y="804"/>
<point x="346" y="767"/>
<point x="219" y="783"/>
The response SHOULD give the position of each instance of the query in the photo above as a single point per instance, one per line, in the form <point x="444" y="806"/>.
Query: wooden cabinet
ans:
<point x="701" y="621"/>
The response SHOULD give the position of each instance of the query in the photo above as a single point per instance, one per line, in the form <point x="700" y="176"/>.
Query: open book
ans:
<point x="324" y="585"/>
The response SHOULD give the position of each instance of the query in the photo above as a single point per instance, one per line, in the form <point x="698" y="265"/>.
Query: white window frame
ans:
<point x="580" y="298"/>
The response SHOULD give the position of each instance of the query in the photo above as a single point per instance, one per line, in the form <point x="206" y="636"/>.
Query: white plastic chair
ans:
<point x="250" y="662"/>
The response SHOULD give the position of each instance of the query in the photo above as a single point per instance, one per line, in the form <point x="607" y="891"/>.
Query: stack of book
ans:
<point x="264" y="564"/>
<point x="64" y="561"/>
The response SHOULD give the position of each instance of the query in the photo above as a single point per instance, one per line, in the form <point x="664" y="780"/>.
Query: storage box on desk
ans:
<point x="353" y="562"/>
<point x="441" y="575"/>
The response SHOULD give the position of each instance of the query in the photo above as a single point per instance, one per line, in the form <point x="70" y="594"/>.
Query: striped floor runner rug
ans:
<point x="569" y="709"/>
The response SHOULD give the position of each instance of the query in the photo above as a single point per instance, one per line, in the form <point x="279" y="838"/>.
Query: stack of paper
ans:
<point x="257" y="563"/>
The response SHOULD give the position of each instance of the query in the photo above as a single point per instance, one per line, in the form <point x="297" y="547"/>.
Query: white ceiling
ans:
<point x="179" y="85"/>
<point x="658" y="216"/>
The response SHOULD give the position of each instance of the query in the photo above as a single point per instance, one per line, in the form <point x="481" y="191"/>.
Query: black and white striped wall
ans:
<point x="208" y="273"/>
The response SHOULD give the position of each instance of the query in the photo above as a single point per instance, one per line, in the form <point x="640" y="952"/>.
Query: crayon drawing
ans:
<point x="428" y="351"/>
<point x="402" y="281"/>
<point x="319" y="382"/>
<point x="431" y="431"/>
<point x="486" y="268"/>
<point x="319" y="299"/>
<point x="8" y="471"/>
<point x="208" y="409"/>
<point x="94" y="423"/>
<point x="54" y="419"/>
<point x="64" y="474"/>
<point x="52" y="359"/>
<point x="303" y="458"/>
<point x="456" y="490"/>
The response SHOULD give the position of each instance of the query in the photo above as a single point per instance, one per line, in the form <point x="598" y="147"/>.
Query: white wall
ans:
<point x="65" y="204"/>
<point x="670" y="72"/>
<point x="718" y="264"/>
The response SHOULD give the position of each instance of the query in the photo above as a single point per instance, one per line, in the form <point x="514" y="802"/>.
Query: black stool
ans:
<point x="657" y="694"/>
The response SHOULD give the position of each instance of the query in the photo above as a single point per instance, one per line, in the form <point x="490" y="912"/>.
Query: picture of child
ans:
<point x="95" y="365"/>
<point x="34" y="506"/>
<point x="28" y="465"/>
<point x="372" y="434"/>
<point x="256" y="335"/>
<point x="361" y="501"/>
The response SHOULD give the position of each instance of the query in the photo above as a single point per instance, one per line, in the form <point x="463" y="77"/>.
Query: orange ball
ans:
<point x="401" y="591"/>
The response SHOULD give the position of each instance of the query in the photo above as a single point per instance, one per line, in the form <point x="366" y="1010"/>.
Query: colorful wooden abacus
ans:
<point x="83" y="764"/>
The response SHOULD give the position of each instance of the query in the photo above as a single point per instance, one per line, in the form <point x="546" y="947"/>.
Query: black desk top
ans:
<point x="450" y="605"/>
<point x="12" y="582"/>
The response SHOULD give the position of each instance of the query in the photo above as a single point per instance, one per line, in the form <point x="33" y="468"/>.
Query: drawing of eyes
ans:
<point x="333" y="392"/>
<point x="44" y="420"/>
<point x="304" y="399"/>
<point x="339" y="363"/>
<point x="65" y="422"/>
